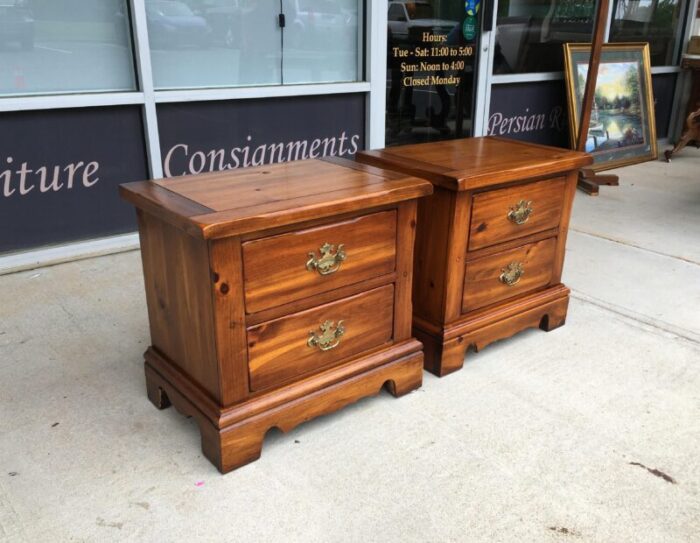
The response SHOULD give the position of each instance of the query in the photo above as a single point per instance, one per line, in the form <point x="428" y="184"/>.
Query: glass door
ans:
<point x="433" y="55"/>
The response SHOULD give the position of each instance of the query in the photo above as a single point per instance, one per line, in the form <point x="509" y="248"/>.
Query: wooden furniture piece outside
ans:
<point x="590" y="181"/>
<point x="490" y="240"/>
<point x="276" y="294"/>
<point x="691" y="133"/>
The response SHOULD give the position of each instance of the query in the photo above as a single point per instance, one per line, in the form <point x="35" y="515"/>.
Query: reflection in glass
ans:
<point x="228" y="43"/>
<point x="320" y="41"/>
<point x="431" y="71"/>
<point x="171" y="24"/>
<point x="51" y="46"/>
<point x="530" y="33"/>
<point x="214" y="43"/>
<point x="655" y="21"/>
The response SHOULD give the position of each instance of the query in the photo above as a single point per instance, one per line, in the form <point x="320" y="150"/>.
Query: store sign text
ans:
<point x="20" y="180"/>
<point x="501" y="125"/>
<point x="439" y="59"/>
<point x="251" y="154"/>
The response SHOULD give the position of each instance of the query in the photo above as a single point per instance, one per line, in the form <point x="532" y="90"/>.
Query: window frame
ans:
<point x="90" y="92"/>
<point x="371" y="67"/>
<point x="524" y="77"/>
<point x="147" y="96"/>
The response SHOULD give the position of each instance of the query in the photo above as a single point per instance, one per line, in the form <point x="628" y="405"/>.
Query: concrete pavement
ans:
<point x="588" y="433"/>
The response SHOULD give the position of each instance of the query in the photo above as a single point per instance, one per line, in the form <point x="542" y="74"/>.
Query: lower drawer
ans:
<point x="293" y="346"/>
<point x="497" y="277"/>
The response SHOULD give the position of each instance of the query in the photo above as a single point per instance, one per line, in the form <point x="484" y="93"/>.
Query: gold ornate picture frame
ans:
<point x="622" y="129"/>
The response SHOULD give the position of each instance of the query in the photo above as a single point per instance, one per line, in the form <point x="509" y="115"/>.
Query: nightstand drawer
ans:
<point x="298" y="344"/>
<point x="288" y="267"/>
<point x="514" y="212"/>
<point x="494" y="278"/>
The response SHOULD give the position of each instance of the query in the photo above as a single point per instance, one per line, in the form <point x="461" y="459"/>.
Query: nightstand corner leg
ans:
<point x="452" y="355"/>
<point x="155" y="392"/>
<point x="407" y="377"/>
<point x="231" y="448"/>
<point x="441" y="357"/>
<point x="555" y="316"/>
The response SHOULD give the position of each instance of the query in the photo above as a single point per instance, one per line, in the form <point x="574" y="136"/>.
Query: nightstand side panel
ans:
<point x="406" y="233"/>
<point x="567" y="208"/>
<point x="226" y="261"/>
<point x="430" y="260"/>
<point x="177" y="279"/>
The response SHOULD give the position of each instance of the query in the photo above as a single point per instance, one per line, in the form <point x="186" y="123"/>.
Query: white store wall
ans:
<point x="146" y="97"/>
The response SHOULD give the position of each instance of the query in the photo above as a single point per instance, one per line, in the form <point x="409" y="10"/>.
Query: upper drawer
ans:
<point x="284" y="268"/>
<point x="513" y="212"/>
<point x="304" y="342"/>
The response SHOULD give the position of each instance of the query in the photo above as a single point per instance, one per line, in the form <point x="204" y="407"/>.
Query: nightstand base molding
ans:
<point x="445" y="348"/>
<point x="233" y="436"/>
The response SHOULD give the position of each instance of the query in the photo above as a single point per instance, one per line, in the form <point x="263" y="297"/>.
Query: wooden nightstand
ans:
<point x="277" y="294"/>
<point x="490" y="241"/>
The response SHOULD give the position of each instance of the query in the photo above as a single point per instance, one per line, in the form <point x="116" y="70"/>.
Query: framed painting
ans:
<point x="622" y="129"/>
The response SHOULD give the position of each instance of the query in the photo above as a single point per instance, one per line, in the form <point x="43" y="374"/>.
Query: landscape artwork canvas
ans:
<point x="622" y="129"/>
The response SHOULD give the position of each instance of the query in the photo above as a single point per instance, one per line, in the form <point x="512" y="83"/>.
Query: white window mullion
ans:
<point x="145" y="76"/>
<point x="377" y="23"/>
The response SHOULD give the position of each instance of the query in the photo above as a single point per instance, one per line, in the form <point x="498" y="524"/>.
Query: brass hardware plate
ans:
<point x="329" y="261"/>
<point x="512" y="273"/>
<point x="329" y="338"/>
<point x="520" y="212"/>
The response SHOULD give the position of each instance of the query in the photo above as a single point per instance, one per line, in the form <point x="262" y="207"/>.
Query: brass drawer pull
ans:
<point x="511" y="274"/>
<point x="329" y="338"/>
<point x="330" y="260"/>
<point x="520" y="212"/>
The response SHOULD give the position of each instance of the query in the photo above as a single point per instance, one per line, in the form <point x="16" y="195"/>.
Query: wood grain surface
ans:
<point x="430" y="257"/>
<point x="464" y="239"/>
<point x="474" y="163"/>
<point x="232" y="304"/>
<point x="275" y="267"/>
<point x="278" y="350"/>
<point x="445" y="352"/>
<point x="483" y="287"/>
<point x="490" y="223"/>
<point x="234" y="437"/>
<point x="178" y="296"/>
<point x="229" y="317"/>
<point x="236" y="202"/>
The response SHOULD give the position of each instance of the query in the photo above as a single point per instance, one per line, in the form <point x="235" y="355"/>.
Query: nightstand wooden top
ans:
<point x="473" y="163"/>
<point x="235" y="202"/>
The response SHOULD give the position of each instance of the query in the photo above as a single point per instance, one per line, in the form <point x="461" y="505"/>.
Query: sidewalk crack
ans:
<point x="682" y="333"/>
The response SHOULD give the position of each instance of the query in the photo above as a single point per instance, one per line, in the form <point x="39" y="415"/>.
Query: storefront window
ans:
<point x="530" y="33"/>
<point x="432" y="67"/>
<point x="56" y="46"/>
<point x="229" y="43"/>
<point x="655" y="21"/>
<point x="320" y="41"/>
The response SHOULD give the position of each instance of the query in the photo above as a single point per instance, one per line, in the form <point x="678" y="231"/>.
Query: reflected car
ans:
<point x="409" y="19"/>
<point x="172" y="23"/>
<point x="16" y="24"/>
<point x="223" y="17"/>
